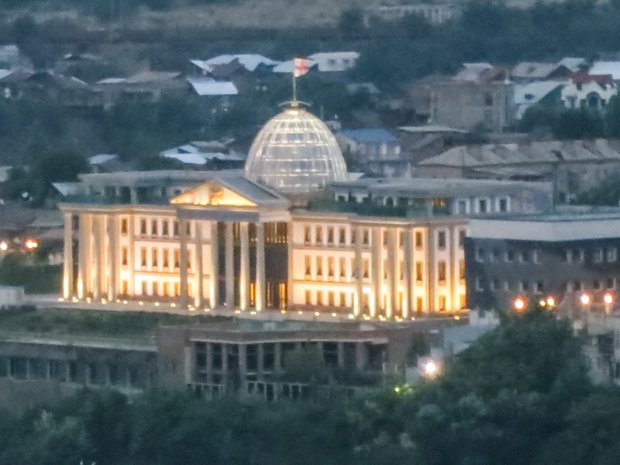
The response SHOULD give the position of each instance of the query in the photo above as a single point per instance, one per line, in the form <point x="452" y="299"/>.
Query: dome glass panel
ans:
<point x="296" y="154"/>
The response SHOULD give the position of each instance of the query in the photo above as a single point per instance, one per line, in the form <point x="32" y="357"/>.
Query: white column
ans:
<point x="244" y="265"/>
<point x="183" y="262"/>
<point x="98" y="264"/>
<point x="67" y="278"/>
<point x="358" y="298"/>
<point x="215" y="269"/>
<point x="430" y="267"/>
<point x="131" y="254"/>
<point x="260" y="267"/>
<point x="392" y="267"/>
<point x="229" y="264"/>
<point x="377" y="275"/>
<point x="112" y="255"/>
<point x="198" y="296"/>
<point x="407" y="274"/>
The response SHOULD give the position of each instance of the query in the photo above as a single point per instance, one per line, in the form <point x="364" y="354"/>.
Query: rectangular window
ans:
<point x="177" y="258"/>
<point x="524" y="256"/>
<point x="366" y="267"/>
<point x="343" y="268"/>
<point x="419" y="272"/>
<point x="343" y="299"/>
<point x="330" y="235"/>
<point x="461" y="207"/>
<point x="442" y="303"/>
<point x="610" y="283"/>
<point x="461" y="269"/>
<point x="510" y="255"/>
<point x="580" y="255"/>
<point x="365" y="237"/>
<point x="330" y="299"/>
<point x="419" y="240"/>
<point x="165" y="258"/>
<point x="494" y="255"/>
<point x="188" y="229"/>
<point x="441" y="271"/>
<point x="308" y="298"/>
<point x="330" y="268"/>
<point x="166" y="292"/>
<point x="144" y="288"/>
<point x="568" y="256"/>
<point x="175" y="228"/>
<point x="597" y="255"/>
<point x="612" y="254"/>
<point x="539" y="286"/>
<point x="503" y="205"/>
<point x="143" y="227"/>
<point x="164" y="228"/>
<point x="319" y="298"/>
<point x="143" y="257"/>
<point x="441" y="240"/>
<point x="319" y="267"/>
<point x="124" y="256"/>
<point x="462" y="234"/>
<point x="307" y="235"/>
<point x="479" y="254"/>
<point x="124" y="226"/>
<point x="483" y="206"/>
<point x="319" y="235"/>
<point x="154" y="256"/>
<point x="154" y="228"/>
<point x="155" y="288"/>
<point x="343" y="236"/>
<point x="307" y="266"/>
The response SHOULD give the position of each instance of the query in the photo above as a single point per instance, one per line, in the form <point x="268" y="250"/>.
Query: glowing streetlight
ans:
<point x="608" y="300"/>
<point x="551" y="302"/>
<point x="31" y="244"/>
<point x="4" y="246"/>
<point x="585" y="299"/>
<point x="519" y="304"/>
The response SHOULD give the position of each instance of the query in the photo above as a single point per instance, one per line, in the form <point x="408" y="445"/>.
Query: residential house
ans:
<point x="363" y="147"/>
<point x="434" y="13"/>
<point x="537" y="93"/>
<point x="527" y="72"/>
<point x="589" y="91"/>
<point x="205" y="155"/>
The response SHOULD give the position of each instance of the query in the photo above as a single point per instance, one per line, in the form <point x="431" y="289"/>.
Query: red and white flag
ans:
<point x="301" y="67"/>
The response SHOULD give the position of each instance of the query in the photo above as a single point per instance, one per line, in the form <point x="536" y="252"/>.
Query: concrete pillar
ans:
<point x="112" y="242"/>
<point x="183" y="300"/>
<point x="408" y="282"/>
<point x="341" y="355"/>
<point x="244" y="267"/>
<point x="229" y="266"/>
<point x="67" y="275"/>
<point x="290" y="291"/>
<point x="188" y="365"/>
<point x="360" y="356"/>
<point x="98" y="262"/>
<point x="198" y="296"/>
<point x="392" y="272"/>
<point x="215" y="271"/>
<point x="209" y="363"/>
<point x="260" y="267"/>
<point x="243" y="368"/>
<point x="377" y="270"/>
<point x="358" y="298"/>
<point x="277" y="358"/>
<point x="84" y="255"/>
<point x="260" y="366"/>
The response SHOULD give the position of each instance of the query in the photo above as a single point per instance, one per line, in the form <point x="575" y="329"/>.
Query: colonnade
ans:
<point x="99" y="252"/>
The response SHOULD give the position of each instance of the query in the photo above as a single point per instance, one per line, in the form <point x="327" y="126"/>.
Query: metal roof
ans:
<point x="208" y="86"/>
<point x="534" y="152"/>
<point x="369" y="136"/>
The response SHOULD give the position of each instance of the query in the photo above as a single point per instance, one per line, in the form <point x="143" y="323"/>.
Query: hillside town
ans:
<point x="273" y="231"/>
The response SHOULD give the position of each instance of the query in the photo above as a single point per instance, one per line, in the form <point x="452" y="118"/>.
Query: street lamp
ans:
<point x="519" y="304"/>
<point x="551" y="302"/>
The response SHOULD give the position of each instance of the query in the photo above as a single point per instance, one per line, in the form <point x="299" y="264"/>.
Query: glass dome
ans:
<point x="296" y="154"/>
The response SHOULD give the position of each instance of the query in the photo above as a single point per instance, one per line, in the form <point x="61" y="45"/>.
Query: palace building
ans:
<point x="294" y="231"/>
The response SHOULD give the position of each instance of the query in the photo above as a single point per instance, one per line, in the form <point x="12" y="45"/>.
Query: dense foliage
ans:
<point x="517" y="396"/>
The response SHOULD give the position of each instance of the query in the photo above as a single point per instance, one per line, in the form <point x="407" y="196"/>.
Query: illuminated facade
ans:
<point x="379" y="249"/>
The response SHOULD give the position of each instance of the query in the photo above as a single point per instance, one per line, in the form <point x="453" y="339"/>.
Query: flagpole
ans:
<point x="294" y="87"/>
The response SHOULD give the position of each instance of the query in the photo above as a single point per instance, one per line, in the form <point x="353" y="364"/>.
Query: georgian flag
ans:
<point x="301" y="67"/>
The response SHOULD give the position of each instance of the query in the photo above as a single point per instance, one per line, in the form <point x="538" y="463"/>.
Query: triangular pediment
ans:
<point x="213" y="194"/>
